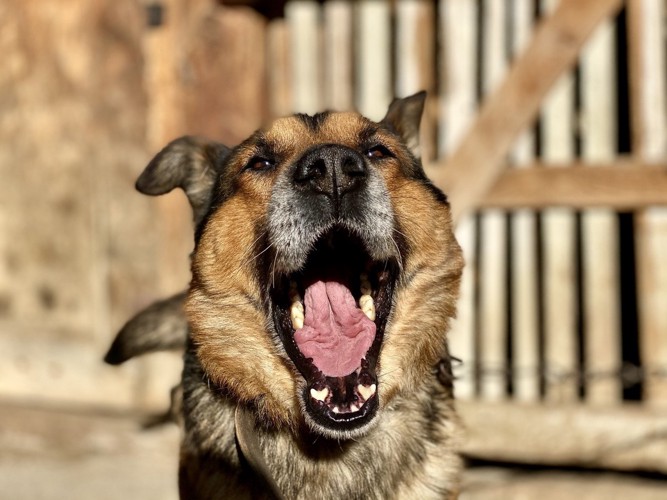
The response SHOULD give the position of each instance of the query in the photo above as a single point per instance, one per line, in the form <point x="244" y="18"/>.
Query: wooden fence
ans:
<point x="546" y="124"/>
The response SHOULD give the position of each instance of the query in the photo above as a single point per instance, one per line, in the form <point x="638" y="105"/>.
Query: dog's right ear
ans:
<point x="190" y="163"/>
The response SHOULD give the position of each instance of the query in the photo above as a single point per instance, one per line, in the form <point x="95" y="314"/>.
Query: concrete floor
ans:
<point x="51" y="455"/>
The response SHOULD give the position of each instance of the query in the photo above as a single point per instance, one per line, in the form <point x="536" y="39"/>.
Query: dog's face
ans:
<point x="325" y="271"/>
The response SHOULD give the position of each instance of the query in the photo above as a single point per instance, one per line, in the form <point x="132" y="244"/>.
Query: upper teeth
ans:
<point x="366" y="303"/>
<point x="367" y="306"/>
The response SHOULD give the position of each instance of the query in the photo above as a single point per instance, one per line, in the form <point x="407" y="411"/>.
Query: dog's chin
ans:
<point x="333" y="333"/>
<point x="323" y="422"/>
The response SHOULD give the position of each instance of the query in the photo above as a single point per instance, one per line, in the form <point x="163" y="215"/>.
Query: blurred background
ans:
<point x="546" y="124"/>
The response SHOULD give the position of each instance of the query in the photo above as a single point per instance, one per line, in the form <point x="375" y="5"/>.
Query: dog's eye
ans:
<point x="257" y="164"/>
<point x="378" y="152"/>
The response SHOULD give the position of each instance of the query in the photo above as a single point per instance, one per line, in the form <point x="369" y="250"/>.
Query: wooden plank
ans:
<point x="304" y="28"/>
<point x="558" y="247"/>
<point x="373" y="64"/>
<point x="604" y="185"/>
<point x="471" y="170"/>
<point x="77" y="244"/>
<point x="166" y="121"/>
<point x="600" y="245"/>
<point x="525" y="304"/>
<point x="617" y="437"/>
<point x="457" y="79"/>
<point x="279" y="68"/>
<point x="338" y="55"/>
<point x="415" y="71"/>
<point x="493" y="248"/>
<point x="648" y="81"/>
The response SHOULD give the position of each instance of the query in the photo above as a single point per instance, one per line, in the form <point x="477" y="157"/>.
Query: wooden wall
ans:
<point x="89" y="93"/>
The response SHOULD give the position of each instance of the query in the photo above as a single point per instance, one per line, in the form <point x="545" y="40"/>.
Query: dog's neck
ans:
<point x="246" y="437"/>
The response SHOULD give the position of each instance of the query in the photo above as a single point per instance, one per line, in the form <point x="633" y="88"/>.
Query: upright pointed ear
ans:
<point x="190" y="163"/>
<point x="404" y="116"/>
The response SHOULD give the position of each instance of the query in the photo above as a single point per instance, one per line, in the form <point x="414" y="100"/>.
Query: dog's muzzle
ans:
<point x="333" y="265"/>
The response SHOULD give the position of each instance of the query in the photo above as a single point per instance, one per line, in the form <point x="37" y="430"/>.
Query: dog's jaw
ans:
<point x="339" y="389"/>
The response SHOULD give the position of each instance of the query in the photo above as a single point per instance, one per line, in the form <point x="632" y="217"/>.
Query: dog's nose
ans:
<point x="332" y="170"/>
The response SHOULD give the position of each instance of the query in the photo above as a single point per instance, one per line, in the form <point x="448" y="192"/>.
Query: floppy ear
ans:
<point x="190" y="163"/>
<point x="404" y="116"/>
<point x="160" y="327"/>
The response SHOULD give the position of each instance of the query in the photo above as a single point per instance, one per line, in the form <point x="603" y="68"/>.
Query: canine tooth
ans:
<point x="335" y="409"/>
<point x="366" y="392"/>
<point x="367" y="305"/>
<point x="354" y="407"/>
<point x="297" y="322"/>
<point x="297" y="306"/>
<point x="296" y="313"/>
<point x="319" y="395"/>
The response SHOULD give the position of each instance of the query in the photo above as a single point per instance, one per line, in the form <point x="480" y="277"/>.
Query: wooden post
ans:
<point x="525" y="304"/>
<point x="373" y="68"/>
<point x="415" y="71"/>
<point x="279" y="68"/>
<point x="558" y="226"/>
<point x="457" y="76"/>
<point x="303" y="18"/>
<point x="600" y="245"/>
<point x="338" y="55"/>
<point x="493" y="249"/>
<point x="648" y="80"/>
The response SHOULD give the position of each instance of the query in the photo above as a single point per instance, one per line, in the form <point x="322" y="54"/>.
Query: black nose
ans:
<point x="332" y="170"/>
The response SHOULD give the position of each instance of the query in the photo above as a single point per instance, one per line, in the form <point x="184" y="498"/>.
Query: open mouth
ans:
<point x="331" y="317"/>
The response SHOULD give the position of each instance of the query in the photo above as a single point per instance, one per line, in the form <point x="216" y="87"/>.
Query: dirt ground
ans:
<point x="52" y="455"/>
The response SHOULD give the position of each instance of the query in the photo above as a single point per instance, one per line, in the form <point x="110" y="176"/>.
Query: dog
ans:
<point x="324" y="277"/>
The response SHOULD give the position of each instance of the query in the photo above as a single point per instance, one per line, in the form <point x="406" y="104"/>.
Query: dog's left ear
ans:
<point x="403" y="118"/>
<point x="160" y="327"/>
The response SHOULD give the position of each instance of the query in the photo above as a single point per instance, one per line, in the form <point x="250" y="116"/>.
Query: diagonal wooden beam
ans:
<point x="472" y="169"/>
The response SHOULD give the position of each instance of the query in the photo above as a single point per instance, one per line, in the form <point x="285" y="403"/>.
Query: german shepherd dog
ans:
<point x="324" y="276"/>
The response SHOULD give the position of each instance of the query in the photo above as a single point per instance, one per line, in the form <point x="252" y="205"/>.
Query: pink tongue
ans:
<point x="335" y="333"/>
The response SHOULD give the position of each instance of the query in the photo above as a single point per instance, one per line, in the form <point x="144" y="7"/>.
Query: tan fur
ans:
<point x="235" y="358"/>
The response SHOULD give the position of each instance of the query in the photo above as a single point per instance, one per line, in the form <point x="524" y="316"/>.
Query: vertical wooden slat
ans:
<point x="304" y="25"/>
<point x="165" y="122"/>
<point x="525" y="322"/>
<point x="279" y="68"/>
<point x="338" y="65"/>
<point x="458" y="68"/>
<point x="373" y="65"/>
<point x="646" y="22"/>
<point x="561" y="354"/>
<point x="493" y="257"/>
<point x="600" y="228"/>
<point x="415" y="70"/>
